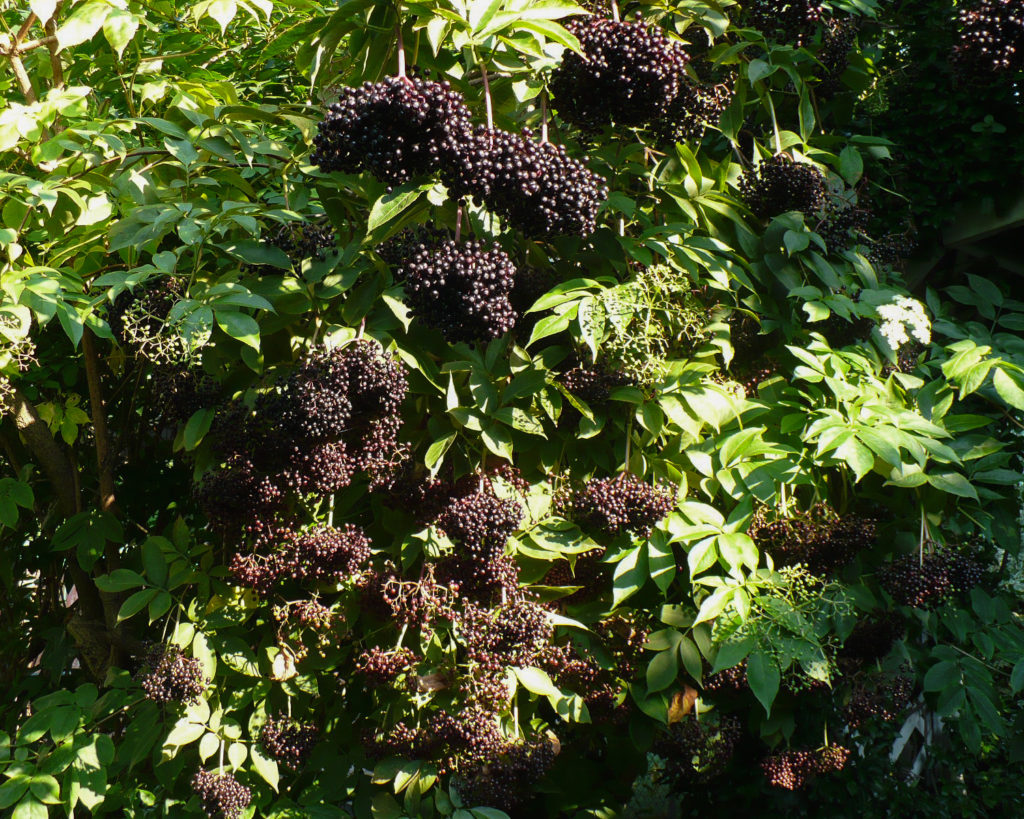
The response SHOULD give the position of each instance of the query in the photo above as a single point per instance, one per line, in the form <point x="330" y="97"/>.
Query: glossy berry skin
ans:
<point x="396" y="129"/>
<point x="792" y="769"/>
<point x="779" y="185"/>
<point x="927" y="582"/>
<point x="537" y="188"/>
<point x="221" y="794"/>
<point x="819" y="538"/>
<point x="381" y="667"/>
<point x="461" y="289"/>
<point x="629" y="74"/>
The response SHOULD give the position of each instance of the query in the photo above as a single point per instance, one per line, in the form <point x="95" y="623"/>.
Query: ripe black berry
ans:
<point x="787" y="21"/>
<point x="779" y="185"/>
<point x="991" y="36"/>
<point x="697" y="752"/>
<point x="288" y="741"/>
<point x="173" y="677"/>
<point x="621" y="503"/>
<point x="221" y="794"/>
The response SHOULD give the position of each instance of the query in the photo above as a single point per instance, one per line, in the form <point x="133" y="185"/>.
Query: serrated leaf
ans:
<point x="390" y="205"/>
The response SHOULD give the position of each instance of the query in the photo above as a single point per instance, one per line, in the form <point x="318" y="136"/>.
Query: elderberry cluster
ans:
<point x="221" y="794"/>
<point x="696" y="752"/>
<point x="786" y="21"/>
<point x="289" y="741"/>
<point x="306" y="613"/>
<point x="173" y="677"/>
<point x="335" y="414"/>
<point x="535" y="186"/>
<point x="627" y="73"/>
<point x="505" y="782"/>
<point x="819" y="538"/>
<point x="779" y="184"/>
<point x="991" y="36"/>
<point x="926" y="582"/>
<point x="594" y="384"/>
<point x="792" y="769"/>
<point x="730" y="680"/>
<point x="514" y="636"/>
<point x="884" y="700"/>
<point x="571" y="668"/>
<point x="586" y="573"/>
<point x="323" y="553"/>
<point x="139" y="321"/>
<point x="873" y="638"/>
<point x="461" y="289"/>
<point x="621" y="503"/>
<point x="380" y="666"/>
<point x="396" y="129"/>
<point x="178" y="392"/>
<point x="834" y="54"/>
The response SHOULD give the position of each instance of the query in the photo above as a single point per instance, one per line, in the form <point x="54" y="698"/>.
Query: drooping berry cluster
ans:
<point x="834" y="55"/>
<point x="336" y="414"/>
<point x="621" y="503"/>
<point x="594" y="384"/>
<point x="628" y="73"/>
<point x="535" y="186"/>
<point x="696" y="752"/>
<point x="878" y="699"/>
<point x="843" y="224"/>
<point x="381" y="666"/>
<point x="507" y="781"/>
<point x="289" y="741"/>
<point x="461" y="289"/>
<point x="891" y="249"/>
<point x="221" y="794"/>
<point x="396" y="129"/>
<point x="515" y="635"/>
<point x="586" y="573"/>
<point x="323" y="553"/>
<point x="574" y="669"/>
<point x="792" y="769"/>
<point x="991" y="36"/>
<point x="819" y="538"/>
<point x="730" y="680"/>
<point x="480" y="525"/>
<point x="139" y="320"/>
<point x="467" y="739"/>
<point x="927" y="581"/>
<point x="305" y="613"/>
<point x="787" y="21"/>
<point x="178" y="392"/>
<point x="779" y="184"/>
<point x="173" y="677"/>
<point x="693" y="109"/>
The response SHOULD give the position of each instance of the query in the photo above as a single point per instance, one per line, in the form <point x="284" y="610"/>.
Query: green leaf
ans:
<point x="136" y="603"/>
<point x="45" y="788"/>
<point x="184" y="733"/>
<point x="391" y="204"/>
<point x="630" y="575"/>
<point x="30" y="809"/>
<point x="764" y="678"/>
<point x="119" y="28"/>
<point x="1010" y="386"/>
<point x="1017" y="677"/>
<point x="663" y="670"/>
<point x="536" y="681"/>
<point x="435" y="452"/>
<point x="944" y="674"/>
<point x="83" y="24"/>
<point x="120" y="580"/>
<point x="851" y="165"/>
<point x="239" y="326"/>
<point x="954" y="483"/>
<point x="196" y="428"/>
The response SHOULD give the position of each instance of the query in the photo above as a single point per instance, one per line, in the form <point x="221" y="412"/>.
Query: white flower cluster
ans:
<point x="902" y="318"/>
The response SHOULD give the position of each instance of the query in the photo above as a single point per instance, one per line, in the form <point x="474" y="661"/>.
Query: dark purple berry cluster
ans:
<point x="991" y="36"/>
<point x="792" y="769"/>
<point x="621" y="503"/>
<point x="628" y="73"/>
<point x="509" y="780"/>
<point x="730" y="680"/>
<point x="536" y="187"/>
<point x="323" y="553"/>
<point x="594" y="384"/>
<point x="697" y="752"/>
<point x="576" y="670"/>
<point x="587" y="573"/>
<point x="305" y="614"/>
<point x="397" y="129"/>
<point x="289" y="741"/>
<point x="383" y="666"/>
<point x="878" y="699"/>
<point x="173" y="677"/>
<point x="178" y="392"/>
<point x="786" y="21"/>
<point x="834" y="55"/>
<point x="460" y="288"/>
<point x="693" y="109"/>
<point x="514" y="635"/>
<point x="779" y="185"/>
<point x="928" y="580"/>
<point x="138" y="319"/>
<point x="819" y="538"/>
<point x="221" y="794"/>
<point x="467" y="739"/>
<point x="299" y="242"/>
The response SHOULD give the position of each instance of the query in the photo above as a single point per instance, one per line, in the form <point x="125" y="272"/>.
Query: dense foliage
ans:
<point x="509" y="408"/>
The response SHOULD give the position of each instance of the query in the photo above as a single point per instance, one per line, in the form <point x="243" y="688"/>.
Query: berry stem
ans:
<point x="458" y="222"/>
<point x="615" y="11"/>
<point x="543" y="115"/>
<point x="220" y="763"/>
<point x="488" y="104"/>
<point x="775" y="124"/>
<point x="400" y="42"/>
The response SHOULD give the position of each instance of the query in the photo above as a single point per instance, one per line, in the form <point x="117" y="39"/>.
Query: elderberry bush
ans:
<point x="396" y="129"/>
<point x="460" y="288"/>
<point x="629" y="74"/>
<point x="779" y="185"/>
<point x="221" y="794"/>
<point x="621" y="503"/>
<point x="535" y="186"/>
